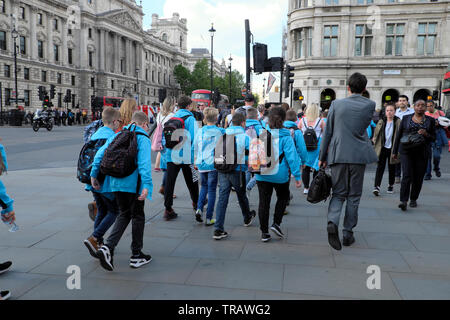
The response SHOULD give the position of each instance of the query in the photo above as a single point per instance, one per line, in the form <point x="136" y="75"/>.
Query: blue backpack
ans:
<point x="86" y="159"/>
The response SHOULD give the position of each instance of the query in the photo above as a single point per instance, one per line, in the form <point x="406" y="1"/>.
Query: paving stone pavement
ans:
<point x="412" y="249"/>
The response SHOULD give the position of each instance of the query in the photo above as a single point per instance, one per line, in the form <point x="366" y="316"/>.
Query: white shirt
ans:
<point x="389" y="131"/>
<point x="399" y="113"/>
<point x="160" y="119"/>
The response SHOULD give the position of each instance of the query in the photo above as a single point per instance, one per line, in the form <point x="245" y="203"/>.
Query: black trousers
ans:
<point x="265" y="196"/>
<point x="414" y="167"/>
<point x="172" y="174"/>
<point x="130" y="209"/>
<point x="385" y="157"/>
<point x="306" y="176"/>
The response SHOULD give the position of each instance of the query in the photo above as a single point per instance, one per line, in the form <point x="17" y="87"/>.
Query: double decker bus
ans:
<point x="98" y="103"/>
<point x="201" y="96"/>
<point x="446" y="84"/>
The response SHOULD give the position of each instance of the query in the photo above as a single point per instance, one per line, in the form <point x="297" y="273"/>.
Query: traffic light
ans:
<point x="436" y="95"/>
<point x="259" y="57"/>
<point x="52" y="91"/>
<point x="68" y="97"/>
<point x="216" y="97"/>
<point x="162" y="94"/>
<point x="42" y="93"/>
<point x="288" y="80"/>
<point x="46" y="102"/>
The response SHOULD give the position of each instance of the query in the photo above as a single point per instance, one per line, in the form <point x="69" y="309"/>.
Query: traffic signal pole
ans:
<point x="292" y="89"/>
<point x="281" y="85"/>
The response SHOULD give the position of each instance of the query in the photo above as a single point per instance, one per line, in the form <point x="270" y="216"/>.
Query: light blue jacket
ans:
<point x="191" y="126"/>
<point x="256" y="123"/>
<point x="7" y="201"/>
<point x="102" y="133"/>
<point x="299" y="141"/>
<point x="283" y="143"/>
<point x="144" y="168"/>
<point x="204" y="143"/>
<point x="242" y="144"/>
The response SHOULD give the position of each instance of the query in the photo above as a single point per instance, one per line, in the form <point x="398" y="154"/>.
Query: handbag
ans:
<point x="157" y="137"/>
<point x="320" y="189"/>
<point x="412" y="141"/>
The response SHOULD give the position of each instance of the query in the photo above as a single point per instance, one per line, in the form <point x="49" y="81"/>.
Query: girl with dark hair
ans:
<point x="284" y="156"/>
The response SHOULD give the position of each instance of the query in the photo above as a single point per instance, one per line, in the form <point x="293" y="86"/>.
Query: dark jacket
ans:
<point x="405" y="129"/>
<point x="379" y="137"/>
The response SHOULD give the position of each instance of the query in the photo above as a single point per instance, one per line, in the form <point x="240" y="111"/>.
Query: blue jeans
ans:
<point x="251" y="181"/>
<point x="209" y="187"/>
<point x="436" y="157"/>
<point x="226" y="181"/>
<point x="107" y="211"/>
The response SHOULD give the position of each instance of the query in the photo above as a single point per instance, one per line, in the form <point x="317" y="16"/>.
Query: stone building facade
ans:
<point x="402" y="46"/>
<point x="91" y="47"/>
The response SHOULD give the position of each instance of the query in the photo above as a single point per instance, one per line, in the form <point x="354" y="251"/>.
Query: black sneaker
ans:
<point x="348" y="241"/>
<point x="218" y="235"/>
<point x="5" y="295"/>
<point x="376" y="191"/>
<point x="170" y="215"/>
<point x="390" y="190"/>
<point x="198" y="216"/>
<point x="276" y="228"/>
<point x="438" y="174"/>
<point x="333" y="236"/>
<point x="5" y="266"/>
<point x="106" y="258"/>
<point x="248" y="221"/>
<point x="413" y="204"/>
<point x="403" y="206"/>
<point x="265" y="237"/>
<point x="137" y="261"/>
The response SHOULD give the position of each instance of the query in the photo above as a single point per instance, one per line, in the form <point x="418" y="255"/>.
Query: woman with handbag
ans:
<point x="383" y="138"/>
<point x="416" y="133"/>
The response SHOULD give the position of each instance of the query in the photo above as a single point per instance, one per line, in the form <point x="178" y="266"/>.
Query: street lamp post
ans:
<point x="230" y="59"/>
<point x="211" y="32"/>
<point x="264" y="88"/>
<point x="137" y="86"/>
<point x="15" y="35"/>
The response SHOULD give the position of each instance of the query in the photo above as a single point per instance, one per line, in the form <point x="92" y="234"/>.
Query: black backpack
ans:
<point x="221" y="162"/>
<point x="170" y="127"/>
<point x="310" y="136"/>
<point x="119" y="160"/>
<point x="86" y="158"/>
<point x="320" y="188"/>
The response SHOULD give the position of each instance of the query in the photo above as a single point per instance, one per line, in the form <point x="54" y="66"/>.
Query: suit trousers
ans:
<point x="347" y="184"/>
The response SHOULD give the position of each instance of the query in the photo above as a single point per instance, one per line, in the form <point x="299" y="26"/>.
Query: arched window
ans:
<point x="164" y="37"/>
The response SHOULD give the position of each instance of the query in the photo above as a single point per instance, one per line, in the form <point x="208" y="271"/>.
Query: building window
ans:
<point x="59" y="78"/>
<point x="60" y="100"/>
<point x="91" y="62"/>
<point x="23" y="45"/>
<point x="8" y="96"/>
<point x="426" y="38"/>
<point x="69" y="31"/>
<point x="146" y="55"/>
<point x="92" y="82"/>
<point x="112" y="84"/>
<point x="153" y="57"/>
<point x="122" y="68"/>
<point x="164" y="37"/>
<point x="394" y="39"/>
<point x="331" y="2"/>
<point x="22" y="13"/>
<point x="2" y="6"/>
<point x="73" y="81"/>
<point x="330" y="41"/>
<point x="27" y="98"/>
<point x="70" y="55"/>
<point x="56" y="52"/>
<point x="39" y="18"/>
<point x="7" y="71"/>
<point x="146" y="74"/>
<point x="55" y="24"/>
<point x="363" y="40"/>
<point x="365" y="1"/>
<point x="44" y="76"/>
<point x="304" y="43"/>
<point x="41" y="49"/>
<point x="181" y="41"/>
<point x="159" y="77"/>
<point x="2" y="40"/>
<point x="90" y="33"/>
<point x="153" y="76"/>
<point x="26" y="73"/>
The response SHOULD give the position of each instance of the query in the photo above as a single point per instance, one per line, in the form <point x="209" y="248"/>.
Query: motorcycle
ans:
<point x="42" y="120"/>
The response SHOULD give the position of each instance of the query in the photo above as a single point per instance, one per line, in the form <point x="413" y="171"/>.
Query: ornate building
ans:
<point x="402" y="46"/>
<point x="90" y="47"/>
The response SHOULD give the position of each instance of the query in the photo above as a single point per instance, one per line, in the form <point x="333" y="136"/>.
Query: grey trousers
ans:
<point x="347" y="182"/>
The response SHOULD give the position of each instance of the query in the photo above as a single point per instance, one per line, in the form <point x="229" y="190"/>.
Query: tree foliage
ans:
<point x="200" y="78"/>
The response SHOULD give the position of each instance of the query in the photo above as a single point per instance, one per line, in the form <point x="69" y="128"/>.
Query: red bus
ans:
<point x="98" y="103"/>
<point x="201" y="95"/>
<point x="446" y="84"/>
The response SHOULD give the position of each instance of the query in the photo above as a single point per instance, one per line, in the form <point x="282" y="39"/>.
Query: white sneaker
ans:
<point x="305" y="191"/>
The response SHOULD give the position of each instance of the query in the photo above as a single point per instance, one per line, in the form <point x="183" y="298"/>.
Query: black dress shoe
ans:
<point x="413" y="204"/>
<point x="403" y="206"/>
<point x="438" y="174"/>
<point x="348" y="241"/>
<point x="333" y="236"/>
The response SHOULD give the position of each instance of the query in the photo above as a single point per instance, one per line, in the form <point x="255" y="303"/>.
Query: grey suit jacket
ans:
<point x="345" y="139"/>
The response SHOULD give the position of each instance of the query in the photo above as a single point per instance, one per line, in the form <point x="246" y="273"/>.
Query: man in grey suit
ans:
<point x="346" y="148"/>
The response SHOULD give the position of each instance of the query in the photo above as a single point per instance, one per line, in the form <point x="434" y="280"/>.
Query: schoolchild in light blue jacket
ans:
<point x="5" y="200"/>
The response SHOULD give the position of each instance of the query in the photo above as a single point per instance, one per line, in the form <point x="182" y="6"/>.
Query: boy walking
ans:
<point x="235" y="179"/>
<point x="204" y="143"/>
<point x="107" y="210"/>
<point x="130" y="193"/>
